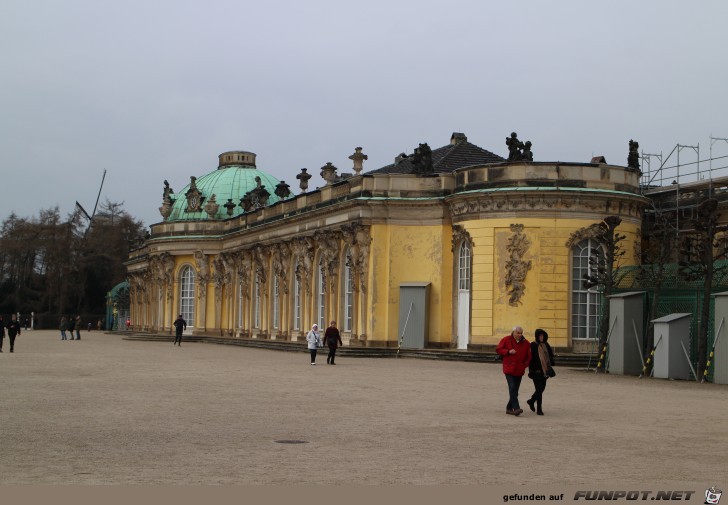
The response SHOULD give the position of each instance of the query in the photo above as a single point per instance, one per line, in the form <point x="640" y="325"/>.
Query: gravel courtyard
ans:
<point x="103" y="410"/>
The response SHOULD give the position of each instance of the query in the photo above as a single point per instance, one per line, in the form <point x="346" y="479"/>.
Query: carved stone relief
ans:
<point x="535" y="202"/>
<point x="281" y="255"/>
<point x="358" y="238"/>
<point x="243" y="263"/>
<point x="516" y="267"/>
<point x="203" y="273"/>
<point x="302" y="250"/>
<point x="328" y="245"/>
<point x="260" y="258"/>
<point x="459" y="235"/>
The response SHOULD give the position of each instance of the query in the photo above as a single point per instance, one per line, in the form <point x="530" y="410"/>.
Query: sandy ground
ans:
<point x="108" y="411"/>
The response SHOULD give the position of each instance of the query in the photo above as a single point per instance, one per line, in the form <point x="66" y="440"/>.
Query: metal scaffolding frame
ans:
<point x="676" y="174"/>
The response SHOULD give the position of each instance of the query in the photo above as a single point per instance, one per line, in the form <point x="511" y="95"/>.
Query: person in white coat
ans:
<point x="314" y="342"/>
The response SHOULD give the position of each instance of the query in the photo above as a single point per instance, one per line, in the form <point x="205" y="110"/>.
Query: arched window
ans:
<point x="256" y="301"/>
<point x="585" y="303"/>
<point x="463" y="294"/>
<point x="348" y="295"/>
<point x="187" y="295"/>
<point x="276" y="303"/>
<point x="464" y="266"/>
<point x="296" y="299"/>
<point x="240" y="304"/>
<point x="321" y="295"/>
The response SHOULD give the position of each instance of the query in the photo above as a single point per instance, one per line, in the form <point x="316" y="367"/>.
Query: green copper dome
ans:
<point x="235" y="177"/>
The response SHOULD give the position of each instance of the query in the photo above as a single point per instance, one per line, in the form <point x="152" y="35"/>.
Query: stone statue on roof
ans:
<point x="633" y="158"/>
<point x="422" y="160"/>
<point x="517" y="150"/>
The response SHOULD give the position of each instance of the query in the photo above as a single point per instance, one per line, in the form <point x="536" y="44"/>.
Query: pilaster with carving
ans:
<point x="303" y="251"/>
<point x="281" y="258"/>
<point x="328" y="244"/>
<point x="203" y="277"/>
<point x="244" y="265"/>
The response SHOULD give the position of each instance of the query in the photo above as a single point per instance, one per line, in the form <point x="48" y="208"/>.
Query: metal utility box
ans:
<point x="625" y="344"/>
<point x="673" y="333"/>
<point x="414" y="312"/>
<point x="720" y="358"/>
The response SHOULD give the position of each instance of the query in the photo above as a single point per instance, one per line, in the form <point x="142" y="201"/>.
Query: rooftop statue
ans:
<point x="422" y="160"/>
<point x="633" y="158"/>
<point x="517" y="150"/>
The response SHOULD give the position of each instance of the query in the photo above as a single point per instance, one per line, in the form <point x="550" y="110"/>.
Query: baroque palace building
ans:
<point x="497" y="242"/>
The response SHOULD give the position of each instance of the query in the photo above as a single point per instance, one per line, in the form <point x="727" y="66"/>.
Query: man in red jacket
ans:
<point x="516" y="353"/>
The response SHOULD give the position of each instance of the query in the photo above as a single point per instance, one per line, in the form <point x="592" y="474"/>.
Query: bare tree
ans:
<point x="659" y="245"/>
<point x="700" y="249"/>
<point x="603" y="267"/>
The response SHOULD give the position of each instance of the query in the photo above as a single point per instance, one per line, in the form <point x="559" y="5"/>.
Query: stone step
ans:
<point x="562" y="359"/>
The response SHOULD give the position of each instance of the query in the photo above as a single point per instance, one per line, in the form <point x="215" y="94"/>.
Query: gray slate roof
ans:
<point x="446" y="159"/>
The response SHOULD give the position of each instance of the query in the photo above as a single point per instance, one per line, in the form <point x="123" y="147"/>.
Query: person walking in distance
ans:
<point x="314" y="341"/>
<point x="540" y="369"/>
<point x="332" y="338"/>
<point x="516" y="353"/>
<point x="63" y="327"/>
<point x="2" y="333"/>
<point x="13" y="331"/>
<point x="179" y="326"/>
<point x="78" y="327"/>
<point x="71" y="325"/>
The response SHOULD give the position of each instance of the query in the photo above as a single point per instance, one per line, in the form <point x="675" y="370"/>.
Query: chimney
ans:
<point x="457" y="137"/>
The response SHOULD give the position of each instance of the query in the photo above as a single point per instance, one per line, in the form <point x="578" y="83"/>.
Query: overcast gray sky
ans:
<point x="153" y="90"/>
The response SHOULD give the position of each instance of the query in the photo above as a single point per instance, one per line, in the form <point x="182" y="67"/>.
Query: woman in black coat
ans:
<point x="542" y="359"/>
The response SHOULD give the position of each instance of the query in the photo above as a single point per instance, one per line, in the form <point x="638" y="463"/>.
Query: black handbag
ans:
<point x="551" y="372"/>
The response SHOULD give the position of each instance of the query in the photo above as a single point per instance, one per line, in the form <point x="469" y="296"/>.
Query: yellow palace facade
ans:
<point x="498" y="243"/>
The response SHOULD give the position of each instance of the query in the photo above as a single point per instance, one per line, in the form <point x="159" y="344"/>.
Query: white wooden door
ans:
<point x="463" y="318"/>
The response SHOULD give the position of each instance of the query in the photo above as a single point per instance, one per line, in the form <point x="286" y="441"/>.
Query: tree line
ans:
<point x="54" y="266"/>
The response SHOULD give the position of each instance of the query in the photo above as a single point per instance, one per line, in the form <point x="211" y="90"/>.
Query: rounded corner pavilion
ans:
<point x="457" y="241"/>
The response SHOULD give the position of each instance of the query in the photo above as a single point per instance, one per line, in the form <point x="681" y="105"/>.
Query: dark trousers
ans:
<point x="540" y="384"/>
<point x="2" y="337"/>
<point x="514" y="383"/>
<point x="12" y="341"/>
<point x="78" y="334"/>
<point x="332" y="355"/>
<point x="178" y="338"/>
<point x="313" y="355"/>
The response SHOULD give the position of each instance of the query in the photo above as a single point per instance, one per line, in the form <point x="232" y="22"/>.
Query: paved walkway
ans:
<point x="108" y="411"/>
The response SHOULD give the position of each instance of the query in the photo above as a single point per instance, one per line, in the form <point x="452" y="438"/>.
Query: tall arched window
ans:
<point x="187" y="295"/>
<point x="463" y="294"/>
<point x="276" y="303"/>
<point x="348" y="295"/>
<point x="464" y="266"/>
<point x="296" y="299"/>
<point x="256" y="301"/>
<point x="240" y="304"/>
<point x="585" y="303"/>
<point x="321" y="295"/>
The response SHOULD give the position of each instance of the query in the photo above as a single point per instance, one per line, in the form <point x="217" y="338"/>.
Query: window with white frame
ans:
<point x="348" y="295"/>
<point x="240" y="304"/>
<point x="296" y="300"/>
<point x="276" y="303"/>
<point x="464" y="262"/>
<point x="321" y="295"/>
<point x="585" y="302"/>
<point x="187" y="295"/>
<point x="256" y="301"/>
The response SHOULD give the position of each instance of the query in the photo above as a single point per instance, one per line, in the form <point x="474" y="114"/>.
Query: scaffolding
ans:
<point x="681" y="172"/>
